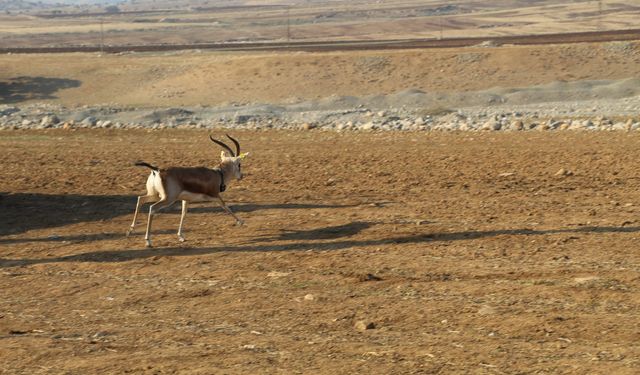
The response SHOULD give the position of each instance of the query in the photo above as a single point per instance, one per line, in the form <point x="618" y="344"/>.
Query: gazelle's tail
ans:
<point x="143" y="164"/>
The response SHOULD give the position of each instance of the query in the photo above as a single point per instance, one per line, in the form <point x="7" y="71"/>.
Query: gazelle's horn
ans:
<point x="222" y="145"/>
<point x="236" y="143"/>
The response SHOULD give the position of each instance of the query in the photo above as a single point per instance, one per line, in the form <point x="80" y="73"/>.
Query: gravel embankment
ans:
<point x="587" y="105"/>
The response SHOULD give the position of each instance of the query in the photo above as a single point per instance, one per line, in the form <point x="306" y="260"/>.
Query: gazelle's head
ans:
<point x="230" y="159"/>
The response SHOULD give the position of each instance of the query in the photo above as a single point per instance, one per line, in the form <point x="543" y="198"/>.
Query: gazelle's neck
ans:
<point x="227" y="171"/>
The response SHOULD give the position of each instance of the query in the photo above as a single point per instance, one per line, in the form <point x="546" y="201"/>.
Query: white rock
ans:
<point x="48" y="121"/>
<point x="516" y="125"/>
<point x="368" y="126"/>
<point x="89" y="121"/>
<point x="620" y="126"/>
<point x="491" y="125"/>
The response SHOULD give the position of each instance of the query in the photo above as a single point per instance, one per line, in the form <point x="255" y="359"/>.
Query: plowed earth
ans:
<point x="468" y="253"/>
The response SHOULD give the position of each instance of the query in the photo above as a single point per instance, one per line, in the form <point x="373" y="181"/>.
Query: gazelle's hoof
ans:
<point x="129" y="231"/>
<point x="181" y="239"/>
<point x="239" y="223"/>
<point x="148" y="243"/>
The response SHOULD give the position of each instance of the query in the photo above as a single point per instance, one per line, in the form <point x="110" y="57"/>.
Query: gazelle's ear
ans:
<point x="223" y="155"/>
<point x="243" y="155"/>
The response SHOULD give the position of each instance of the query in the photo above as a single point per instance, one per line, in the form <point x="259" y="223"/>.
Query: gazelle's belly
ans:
<point x="194" y="197"/>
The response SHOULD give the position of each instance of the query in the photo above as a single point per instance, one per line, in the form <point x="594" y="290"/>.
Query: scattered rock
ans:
<point x="243" y="119"/>
<point x="491" y="125"/>
<point x="362" y="325"/>
<point x="516" y="125"/>
<point x="49" y="121"/>
<point x="542" y="127"/>
<point x="368" y="126"/>
<point x="307" y="126"/>
<point x="89" y="121"/>
<point x="563" y="173"/>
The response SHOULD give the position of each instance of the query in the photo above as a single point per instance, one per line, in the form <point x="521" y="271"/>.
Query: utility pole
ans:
<point x="599" y="22"/>
<point x="441" y="26"/>
<point x="101" y="35"/>
<point x="288" y="23"/>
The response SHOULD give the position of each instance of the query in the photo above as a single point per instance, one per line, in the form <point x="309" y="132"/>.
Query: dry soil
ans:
<point x="464" y="253"/>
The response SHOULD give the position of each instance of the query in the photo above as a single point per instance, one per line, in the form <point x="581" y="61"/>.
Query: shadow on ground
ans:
<point x="23" y="212"/>
<point x="19" y="89"/>
<point x="132" y="254"/>
<point x="327" y="233"/>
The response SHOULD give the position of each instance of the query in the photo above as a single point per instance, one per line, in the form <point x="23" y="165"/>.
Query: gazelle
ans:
<point x="191" y="184"/>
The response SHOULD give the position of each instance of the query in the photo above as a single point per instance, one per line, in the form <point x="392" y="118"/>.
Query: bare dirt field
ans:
<point x="185" y="22"/>
<point x="465" y="252"/>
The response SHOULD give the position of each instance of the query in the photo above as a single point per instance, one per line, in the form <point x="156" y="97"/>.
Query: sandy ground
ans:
<point x="468" y="253"/>
<point x="208" y="78"/>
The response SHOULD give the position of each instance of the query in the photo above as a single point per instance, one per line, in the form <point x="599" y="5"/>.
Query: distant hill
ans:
<point x="22" y="5"/>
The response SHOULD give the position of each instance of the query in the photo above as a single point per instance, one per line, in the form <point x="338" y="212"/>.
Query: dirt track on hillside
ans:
<point x="352" y="45"/>
<point x="468" y="252"/>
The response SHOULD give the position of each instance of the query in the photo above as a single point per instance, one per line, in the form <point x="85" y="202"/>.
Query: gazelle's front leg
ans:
<point x="184" y="213"/>
<point x="224" y="207"/>
<point x="152" y="211"/>
<point x="141" y="200"/>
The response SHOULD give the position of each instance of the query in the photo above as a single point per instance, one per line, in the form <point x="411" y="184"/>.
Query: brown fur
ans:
<point x="198" y="180"/>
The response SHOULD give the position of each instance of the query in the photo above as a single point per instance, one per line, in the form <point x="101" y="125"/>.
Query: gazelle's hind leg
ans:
<point x="228" y="210"/>
<point x="151" y="196"/>
<point x="163" y="202"/>
<point x="142" y="199"/>
<point x="184" y="213"/>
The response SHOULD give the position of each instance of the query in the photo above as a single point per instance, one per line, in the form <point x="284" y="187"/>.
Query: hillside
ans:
<point x="209" y="78"/>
